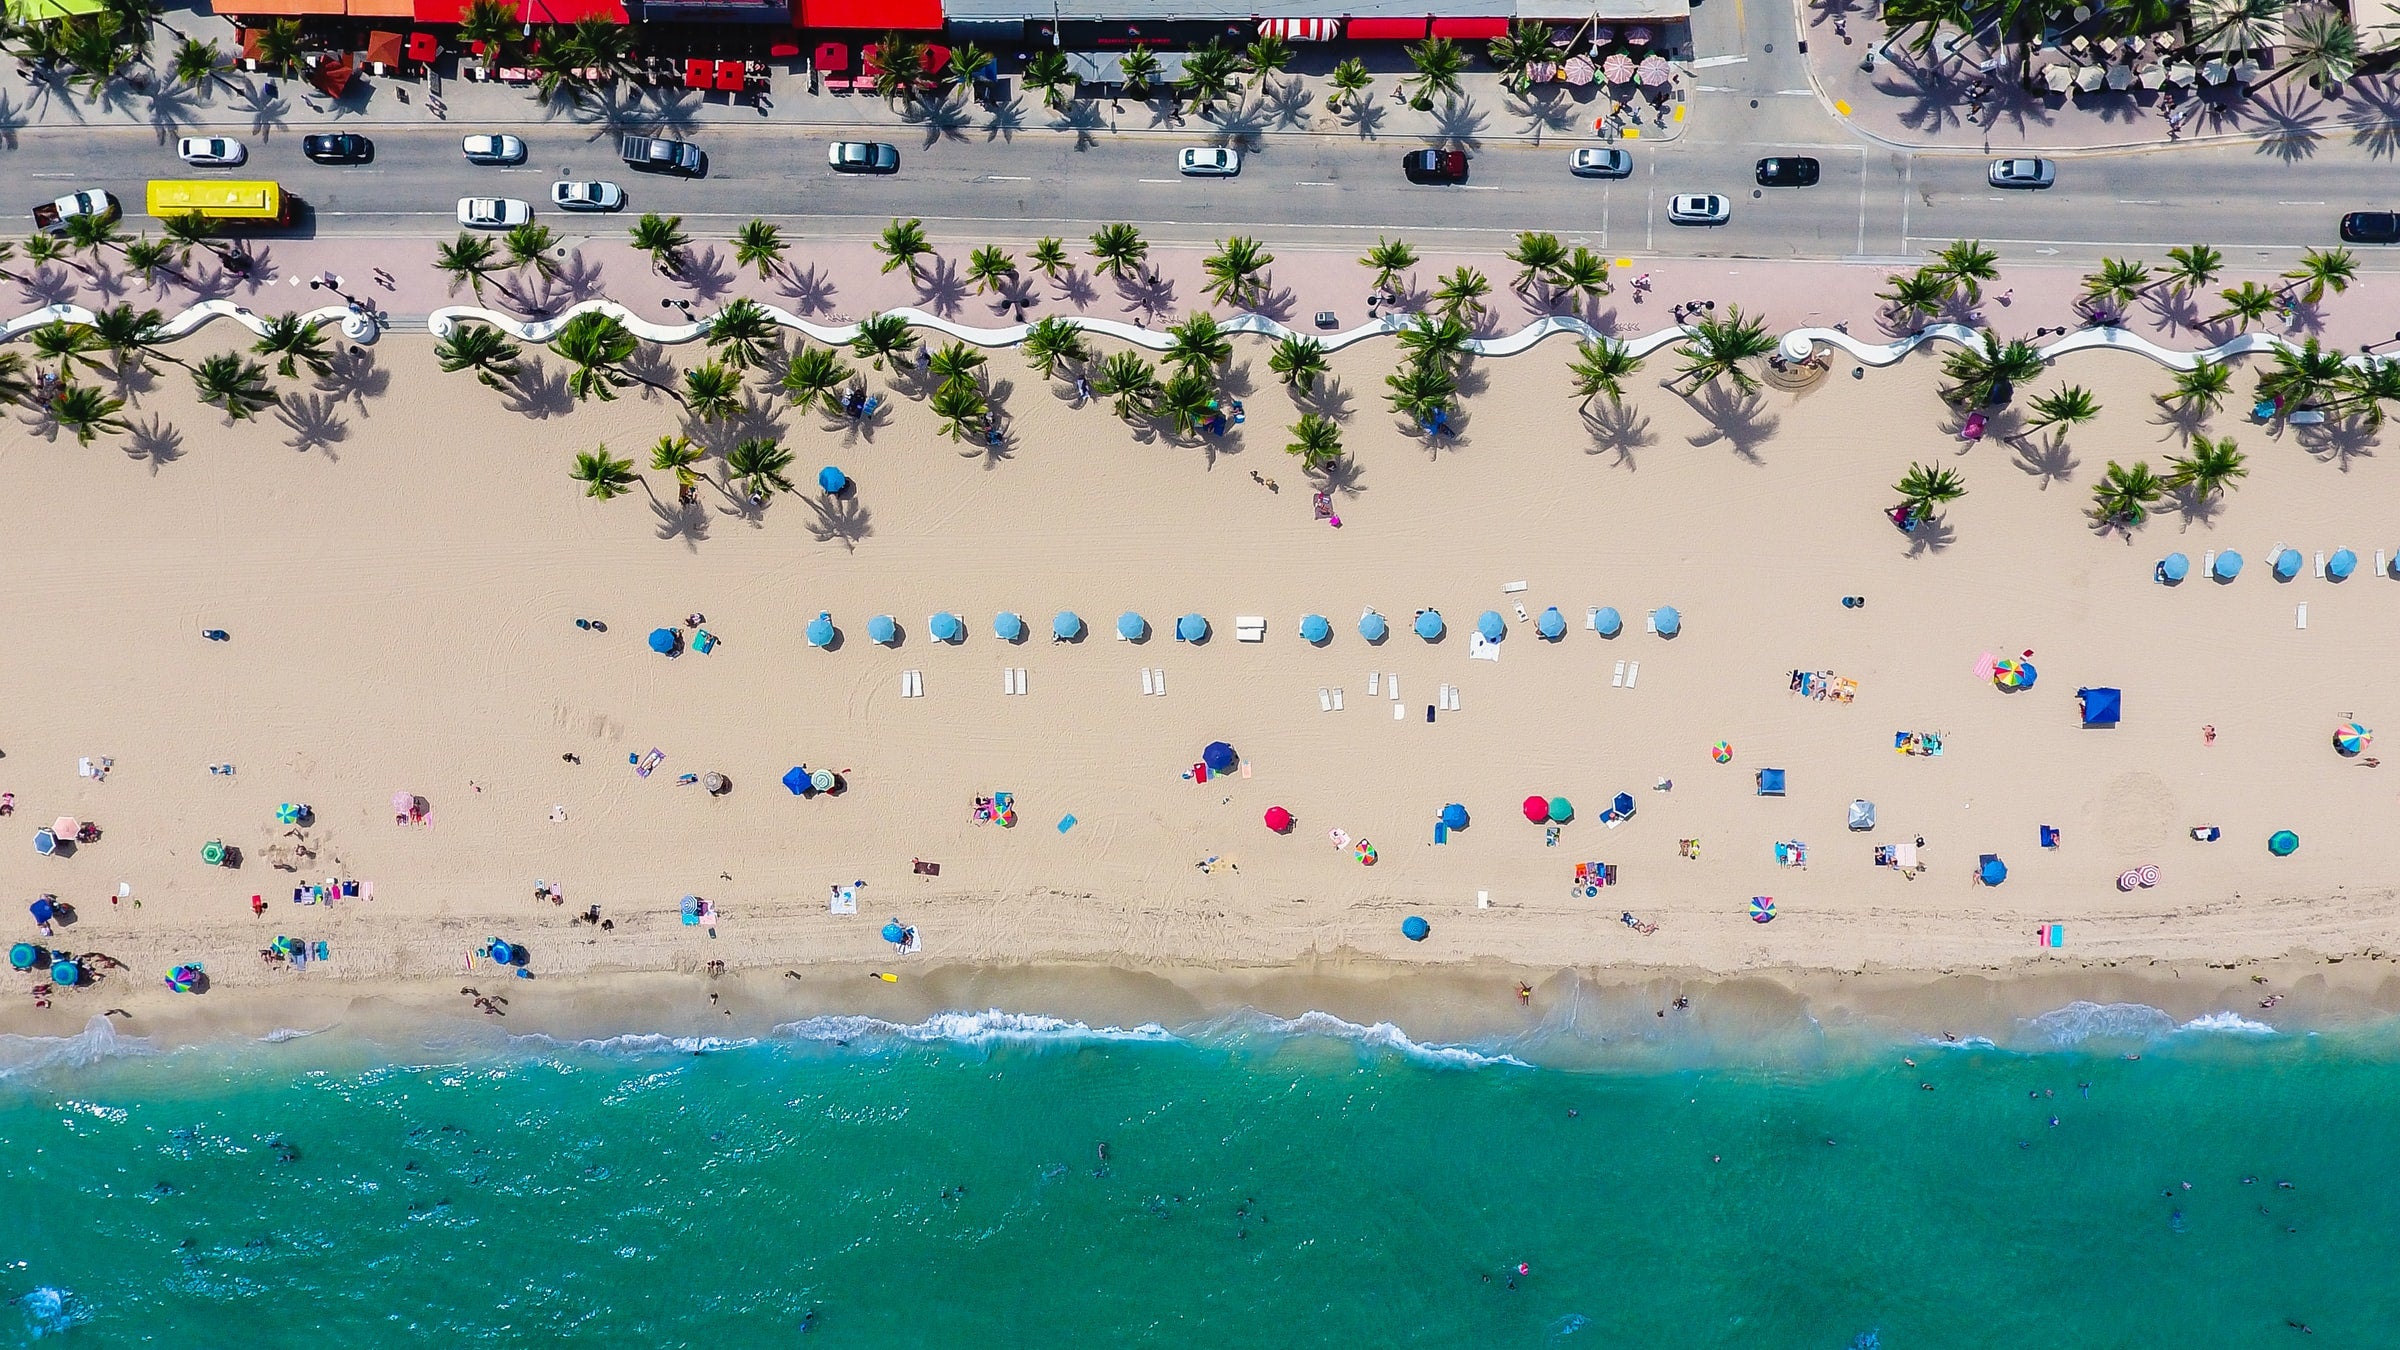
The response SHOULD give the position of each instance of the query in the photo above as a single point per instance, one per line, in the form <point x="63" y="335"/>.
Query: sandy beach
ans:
<point x="400" y="599"/>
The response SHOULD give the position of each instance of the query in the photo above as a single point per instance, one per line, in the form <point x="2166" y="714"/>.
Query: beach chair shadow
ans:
<point x="155" y="442"/>
<point x="2051" y="461"/>
<point x="315" y="422"/>
<point x="842" y="520"/>
<point x="1618" y="429"/>
<point x="1739" y="420"/>
<point x="539" y="392"/>
<point x="2339" y="443"/>
<point x="810" y="290"/>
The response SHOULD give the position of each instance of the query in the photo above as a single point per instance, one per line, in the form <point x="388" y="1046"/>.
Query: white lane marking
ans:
<point x="1477" y="187"/>
<point x="1154" y="180"/>
<point x="2106" y="243"/>
<point x="1707" y="61"/>
<point x="1311" y="184"/>
<point x="2126" y="201"/>
<point x="1007" y="178"/>
<point x="1796" y="93"/>
<point x="1712" y="88"/>
<point x="2299" y="203"/>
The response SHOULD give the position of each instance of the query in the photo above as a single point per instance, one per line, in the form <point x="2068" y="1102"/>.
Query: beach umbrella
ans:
<point x="1278" y="819"/>
<point x="1652" y="71"/>
<point x="66" y="973"/>
<point x="404" y="803"/>
<point x="1762" y="909"/>
<point x="2229" y="565"/>
<point x="2176" y="567"/>
<point x="1617" y="69"/>
<point x="1067" y="625"/>
<point x="1414" y="928"/>
<point x="185" y="978"/>
<point x="1559" y="810"/>
<point x="43" y="910"/>
<point x="1218" y="757"/>
<point x="664" y="641"/>
<point x="2341" y="564"/>
<point x="1315" y="629"/>
<point x="502" y="953"/>
<point x="2287" y="564"/>
<point x="821" y="779"/>
<point x="23" y="956"/>
<point x="1131" y="626"/>
<point x="1455" y="816"/>
<point x="712" y="783"/>
<point x="1670" y="621"/>
<point x="1552" y="624"/>
<point x="1429" y="625"/>
<point x="1371" y="626"/>
<point x="1611" y="623"/>
<point x="45" y="843"/>
<point x="66" y="827"/>
<point x="831" y="480"/>
<point x="1623" y="805"/>
<point x="2282" y="842"/>
<point x="820" y="631"/>
<point x="1491" y="625"/>
<point x="1721" y="752"/>
<point x="2349" y="738"/>
<point x="1007" y="627"/>
<point x="287" y="814"/>
<point x="213" y="852"/>
<point x="1537" y="809"/>
<point x="894" y="933"/>
<point x="1191" y="628"/>
<point x="796" y="779"/>
<point x="1990" y="870"/>
<point x="2013" y="673"/>
<point x="882" y="630"/>
<point x="945" y="627"/>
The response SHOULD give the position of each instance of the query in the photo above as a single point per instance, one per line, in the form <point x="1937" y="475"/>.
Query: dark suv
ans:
<point x="1787" y="171"/>
<point x="1435" y="166"/>
<point x="341" y="147"/>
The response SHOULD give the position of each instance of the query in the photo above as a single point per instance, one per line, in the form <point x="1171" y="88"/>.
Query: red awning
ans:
<point x="1300" y="30"/>
<point x="441" y="11"/>
<point x="1394" y="30"/>
<point x="1470" y="28"/>
<point x="730" y="77"/>
<point x="876" y="15"/>
<point x="278" y="8"/>
<point x="568" y="11"/>
<point x="832" y="58"/>
<point x="423" y="47"/>
<point x="695" y="73"/>
<point x="383" y="49"/>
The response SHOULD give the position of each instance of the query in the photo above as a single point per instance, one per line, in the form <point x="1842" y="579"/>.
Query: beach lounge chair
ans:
<point x="1337" y="700"/>
<point x="2049" y="836"/>
<point x="1652" y="623"/>
<point x="1324" y="699"/>
<point x="1770" y="782"/>
<point x="1792" y="853"/>
<point x="2306" y="417"/>
<point x="1591" y="619"/>
<point x="1633" y="671"/>
<point x="1249" y="628"/>
<point x="1617" y="681"/>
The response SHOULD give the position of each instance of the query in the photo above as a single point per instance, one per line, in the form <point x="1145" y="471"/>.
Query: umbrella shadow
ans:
<point x="1618" y="428"/>
<point x="2051" y="461"/>
<point x="156" y="442"/>
<point x="1739" y="419"/>
<point x="842" y="520"/>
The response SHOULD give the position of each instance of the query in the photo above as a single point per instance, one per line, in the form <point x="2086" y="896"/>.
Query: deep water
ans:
<point x="1008" y="1181"/>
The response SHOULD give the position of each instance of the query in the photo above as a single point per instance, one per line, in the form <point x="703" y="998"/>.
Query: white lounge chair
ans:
<point x="1617" y="681"/>
<point x="1632" y="672"/>
<point x="1147" y="686"/>
<point x="1324" y="699"/>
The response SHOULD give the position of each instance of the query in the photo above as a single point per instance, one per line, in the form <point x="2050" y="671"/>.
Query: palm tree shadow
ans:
<point x="944" y="119"/>
<point x="941" y="287"/>
<point x="1931" y="536"/>
<point x="51" y="286"/>
<point x="1365" y="114"/>
<point x="157" y="442"/>
<point x="1329" y="397"/>
<point x="1151" y="295"/>
<point x="2175" y="309"/>
<point x="1007" y="119"/>
<point x="1344" y="477"/>
<point x="811" y="291"/>
<point x="1287" y="105"/>
<point x="1925" y="99"/>
<point x="265" y="114"/>
<point x="1085" y="119"/>
<point x="12" y="121"/>
<point x="315" y="422"/>
<point x="539" y="392"/>
<point x="2340" y="443"/>
<point x="1618" y="428"/>
<point x="1076" y="288"/>
<point x="1739" y="419"/>
<point x="652" y="371"/>
<point x="759" y="418"/>
<point x="169" y="111"/>
<point x="2288" y="137"/>
<point x="132" y="380"/>
<point x="2377" y="124"/>
<point x="2182" y="420"/>
<point x="683" y="520"/>
<point x="2051" y="461"/>
<point x="1460" y="123"/>
<point x="2197" y="510"/>
<point x="708" y="275"/>
<point x="842" y="520"/>
<point x="352" y="374"/>
<point x="1543" y="114"/>
<point x="1276" y="304"/>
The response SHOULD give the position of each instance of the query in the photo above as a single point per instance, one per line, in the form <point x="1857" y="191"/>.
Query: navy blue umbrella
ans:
<point x="1218" y="757"/>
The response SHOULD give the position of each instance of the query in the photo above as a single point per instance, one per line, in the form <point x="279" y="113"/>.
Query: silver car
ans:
<point x="211" y="152"/>
<point x="1698" y="208"/>
<point x="2023" y="173"/>
<point x="862" y="157"/>
<point x="1600" y="161"/>
<point x="491" y="149"/>
<point x="493" y="213"/>
<point x="1208" y="161"/>
<point x="586" y="196"/>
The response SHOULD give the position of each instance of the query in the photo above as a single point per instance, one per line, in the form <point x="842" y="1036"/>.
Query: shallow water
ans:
<point x="1265" y="1182"/>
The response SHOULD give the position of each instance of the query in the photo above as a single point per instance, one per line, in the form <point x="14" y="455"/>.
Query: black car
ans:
<point x="1785" y="171"/>
<point x="2371" y="227"/>
<point x="1435" y="166"/>
<point x="338" y="148"/>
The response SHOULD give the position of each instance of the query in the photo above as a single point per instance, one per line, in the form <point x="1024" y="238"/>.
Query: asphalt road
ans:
<point x="1300" y="190"/>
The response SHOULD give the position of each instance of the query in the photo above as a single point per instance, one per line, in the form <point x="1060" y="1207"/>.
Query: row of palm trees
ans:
<point x="2209" y="467"/>
<point x="2316" y="42"/>
<point x="121" y="342"/>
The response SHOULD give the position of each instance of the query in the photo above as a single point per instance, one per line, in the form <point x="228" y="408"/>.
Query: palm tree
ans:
<point x="1436" y="342"/>
<point x="1439" y="62"/>
<point x="15" y="385"/>
<point x="1185" y="399"/>
<point x="149" y="257"/>
<point x="1582" y="273"/>
<point x="990" y="268"/>
<point x="662" y="237"/>
<point x="744" y="332"/>
<point x="1537" y="255"/>
<point x="761" y="466"/>
<point x="759" y="244"/>
<point x="1920" y="293"/>
<point x="1266" y="58"/>
<point x="2069" y="405"/>
<point x="1235" y="268"/>
<point x="962" y="408"/>
<point x="712" y="391"/>
<point x="1208" y="76"/>
<point x="1300" y="361"/>
<point x="481" y="348"/>
<point x="1926" y="488"/>
<point x="1514" y="52"/>
<point x="1049" y="255"/>
<point x="229" y="382"/>
<point x="2320" y="44"/>
<point x="881" y="338"/>
<point x="87" y="412"/>
<point x="2321" y="270"/>
<point x="904" y="242"/>
<point x="1602" y="367"/>
<point x="279" y="45"/>
<point x="1977" y="374"/>
<point x="2301" y="377"/>
<point x="43" y="249"/>
<point x="813" y="375"/>
<point x="2192" y="268"/>
<point x="1350" y="80"/>
<point x="197" y="65"/>
<point x="1714" y="347"/>
<point x="192" y="230"/>
<point x="956" y="363"/>
<point x="2203" y="387"/>
<point x="678" y="456"/>
<point x="1138" y="71"/>
<point x="130" y="336"/>
<point x="1463" y="289"/>
<point x="1197" y="344"/>
<point x="92" y="234"/>
<point x="1050" y="341"/>
<point x="1316" y="440"/>
<point x="67" y="344"/>
<point x="294" y="342"/>
<point x="1047" y="71"/>
<point x="468" y="258"/>
<point x="1420" y="392"/>
<point x="2367" y="387"/>
<point x="602" y="474"/>
<point x="1118" y="247"/>
<point x="2116" y="285"/>
<point x="2123" y="496"/>
<point x="2248" y="302"/>
<point x="530" y="245"/>
<point x="1966" y="264"/>
<point x="1388" y="259"/>
<point x="1902" y="16"/>
<point x="1130" y="382"/>
<point x="492" y="25"/>
<point x="900" y="67"/>
<point x="2234" y="26"/>
<point x="597" y="345"/>
<point x="2211" y="469"/>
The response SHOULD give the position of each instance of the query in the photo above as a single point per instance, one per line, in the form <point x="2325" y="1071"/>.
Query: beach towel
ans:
<point x="844" y="900"/>
<point x="1478" y="649"/>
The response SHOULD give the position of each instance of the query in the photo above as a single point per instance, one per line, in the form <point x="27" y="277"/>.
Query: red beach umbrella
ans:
<point x="1278" y="819"/>
<point x="1537" y="810"/>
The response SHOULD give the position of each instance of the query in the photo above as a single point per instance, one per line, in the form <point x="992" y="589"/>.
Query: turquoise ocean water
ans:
<point x="1265" y="1183"/>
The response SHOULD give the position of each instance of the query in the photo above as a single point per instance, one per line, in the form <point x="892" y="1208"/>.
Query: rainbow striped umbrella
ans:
<point x="2349" y="738"/>
<point x="2013" y="673"/>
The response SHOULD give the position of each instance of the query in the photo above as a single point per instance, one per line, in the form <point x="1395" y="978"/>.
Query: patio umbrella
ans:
<point x="1278" y="819"/>
<point x="2089" y="78"/>
<point x="1990" y="870"/>
<point x="1429" y="625"/>
<point x="1537" y="809"/>
<point x="2341" y="564"/>
<point x="2181" y="72"/>
<point x="1559" y="810"/>
<point x="1638" y="36"/>
<point x="1007" y="627"/>
<point x="1611" y="622"/>
<point x="1652" y="71"/>
<point x="45" y="843"/>
<point x="2349" y="738"/>
<point x="1191" y="628"/>
<point x="1455" y="816"/>
<point x="1552" y="624"/>
<point x="1067" y="625"/>
<point x="2152" y="75"/>
<point x="1578" y="71"/>
<point x="1491" y="625"/>
<point x="1414" y="928"/>
<point x="1218" y="757"/>
<point x="1372" y="627"/>
<point x="1132" y="626"/>
<point x="2287" y="564"/>
<point x="1623" y="805"/>
<point x="1315" y="629"/>
<point x="881" y="629"/>
<point x="2120" y="78"/>
<point x="2282" y="843"/>
<point x="2214" y="72"/>
<point x="796" y="779"/>
<point x="2059" y="77"/>
<point x="831" y="480"/>
<point x="1617" y="69"/>
<point x="2229" y="565"/>
<point x="945" y="627"/>
<point x="287" y="814"/>
<point x="2176" y="567"/>
<point x="1670" y="622"/>
<point x="820" y="631"/>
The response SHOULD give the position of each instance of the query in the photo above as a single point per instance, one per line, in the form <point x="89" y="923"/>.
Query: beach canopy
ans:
<point x="1611" y="622"/>
<point x="1278" y="819"/>
<point x="1429" y="625"/>
<point x="2341" y="564"/>
<point x="1132" y="626"/>
<point x="2176" y="567"/>
<point x="1560" y="810"/>
<point x="1191" y="628"/>
<point x="1537" y="809"/>
<point x="1552" y="624"/>
<point x="881" y="629"/>
<point x="831" y="479"/>
<point x="820" y="631"/>
<point x="664" y="641"/>
<point x="2282" y="843"/>
<point x="2349" y="738"/>
<point x="1770" y="782"/>
<point x="1218" y="757"/>
<point x="1862" y="814"/>
<point x="1315" y="629"/>
<point x="2101" y="707"/>
<point x="1372" y="627"/>
<point x="2287" y="564"/>
<point x="1990" y="870"/>
<point x="2229" y="565"/>
<point x="1455" y="816"/>
<point x="1670" y="622"/>
<point x="1491" y="625"/>
<point x="1414" y="928"/>
<point x="1007" y="627"/>
<point x="796" y="779"/>
<point x="1067" y="624"/>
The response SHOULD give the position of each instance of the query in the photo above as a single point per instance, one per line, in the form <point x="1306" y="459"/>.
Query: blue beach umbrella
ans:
<point x="1454" y="816"/>
<point x="664" y="641"/>
<point x="1372" y="627"/>
<point x="1414" y="928"/>
<point x="820" y="631"/>
<point x="1315" y="629"/>
<point x="1007" y="627"/>
<point x="1067" y="625"/>
<point x="1132" y="626"/>
<point x="1611" y="623"/>
<point x="831" y="480"/>
<point x="45" y="843"/>
<point x="23" y="956"/>
<point x="1429" y="625"/>
<point x="1552" y="624"/>
<point x="882" y="629"/>
<point x="945" y="627"/>
<point x="2229" y="565"/>
<point x="2176" y="567"/>
<point x="1669" y="621"/>
<point x="1990" y="870"/>
<point x="893" y="932"/>
<point x="1623" y="805"/>
<point x="1218" y="757"/>
<point x="1191" y="628"/>
<point x="2341" y="564"/>
<point x="797" y="781"/>
<point x="1491" y="625"/>
<point x="66" y="973"/>
<point x="2287" y="564"/>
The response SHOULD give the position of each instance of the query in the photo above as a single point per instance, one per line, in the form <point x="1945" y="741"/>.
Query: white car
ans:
<point x="493" y="213"/>
<point x="590" y="195"/>
<point x="1208" y="161"/>
<point x="211" y="152"/>
<point x="1600" y="161"/>
<point x="863" y="157"/>
<point x="2022" y="173"/>
<point x="1698" y="208"/>
<point x="490" y="149"/>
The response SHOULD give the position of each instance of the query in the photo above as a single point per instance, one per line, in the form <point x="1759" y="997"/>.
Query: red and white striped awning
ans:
<point x="1301" y="30"/>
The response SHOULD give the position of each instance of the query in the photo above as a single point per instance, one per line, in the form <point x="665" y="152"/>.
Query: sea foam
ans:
<point x="1253" y="1025"/>
<point x="990" y="1027"/>
<point x="2082" y="1021"/>
<point x="98" y="1041"/>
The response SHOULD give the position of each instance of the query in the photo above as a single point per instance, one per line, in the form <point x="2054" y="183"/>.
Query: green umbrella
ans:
<point x="287" y="814"/>
<point x="213" y="852"/>
<point x="2282" y="843"/>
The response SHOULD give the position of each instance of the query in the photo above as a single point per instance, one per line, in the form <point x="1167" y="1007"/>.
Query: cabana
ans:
<point x="2100" y="706"/>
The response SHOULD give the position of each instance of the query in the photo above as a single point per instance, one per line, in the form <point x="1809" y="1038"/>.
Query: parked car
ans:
<point x="211" y="152"/>
<point x="1698" y="208"/>
<point x="2023" y="173"/>
<point x="342" y="147"/>
<point x="1208" y="161"/>
<point x="51" y="217"/>
<point x="1787" y="171"/>
<point x="587" y="195"/>
<point x="493" y="213"/>
<point x="863" y="157"/>
<point x="491" y="149"/>
<point x="661" y="155"/>
<point x="2371" y="227"/>
<point x="1435" y="166"/>
<point x="1600" y="161"/>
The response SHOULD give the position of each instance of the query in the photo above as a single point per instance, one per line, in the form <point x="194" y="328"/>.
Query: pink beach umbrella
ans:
<point x="1638" y="36"/>
<point x="1618" y="68"/>
<point x="1278" y="819"/>
<point x="1653" y="71"/>
<point x="66" y="827"/>
<point x="1578" y="71"/>
<point x="404" y="805"/>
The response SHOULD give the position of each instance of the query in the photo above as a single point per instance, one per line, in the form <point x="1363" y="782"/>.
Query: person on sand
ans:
<point x="1525" y="994"/>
